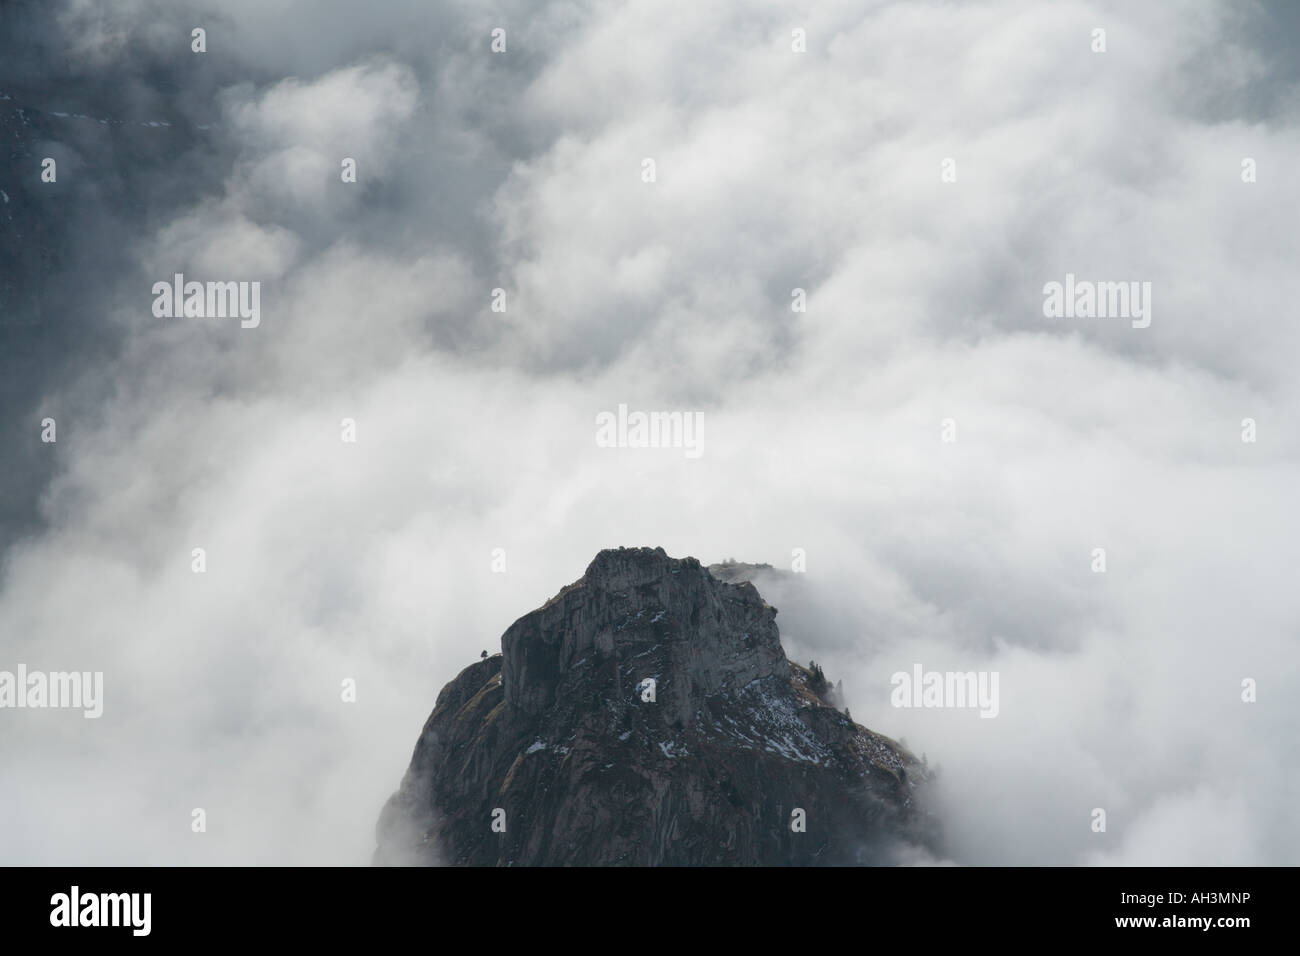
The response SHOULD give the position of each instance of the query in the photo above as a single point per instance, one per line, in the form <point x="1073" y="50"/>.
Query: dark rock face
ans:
<point x="562" y="741"/>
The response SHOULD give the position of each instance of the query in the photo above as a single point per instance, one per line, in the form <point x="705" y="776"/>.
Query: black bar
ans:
<point x="929" y="904"/>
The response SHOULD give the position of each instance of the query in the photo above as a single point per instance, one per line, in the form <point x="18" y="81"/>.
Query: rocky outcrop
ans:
<point x="647" y="715"/>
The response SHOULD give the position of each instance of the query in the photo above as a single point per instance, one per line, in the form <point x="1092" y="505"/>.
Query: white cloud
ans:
<point x="475" y="429"/>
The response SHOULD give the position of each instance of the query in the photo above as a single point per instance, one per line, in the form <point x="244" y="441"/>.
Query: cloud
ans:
<point x="775" y="170"/>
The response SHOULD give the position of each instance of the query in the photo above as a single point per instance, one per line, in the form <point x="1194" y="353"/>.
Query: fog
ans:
<point x="944" y="457"/>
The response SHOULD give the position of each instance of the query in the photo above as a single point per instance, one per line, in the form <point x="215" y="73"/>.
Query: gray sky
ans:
<point x="822" y="430"/>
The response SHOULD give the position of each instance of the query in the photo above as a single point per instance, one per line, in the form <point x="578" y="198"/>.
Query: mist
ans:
<point x="942" y="458"/>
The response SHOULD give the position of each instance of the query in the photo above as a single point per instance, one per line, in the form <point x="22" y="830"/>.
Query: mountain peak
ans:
<point x="647" y="695"/>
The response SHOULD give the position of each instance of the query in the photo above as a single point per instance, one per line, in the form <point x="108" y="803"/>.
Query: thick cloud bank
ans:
<point x="947" y="458"/>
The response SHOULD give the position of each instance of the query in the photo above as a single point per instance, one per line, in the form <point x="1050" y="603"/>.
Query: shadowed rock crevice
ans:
<point x="594" y="765"/>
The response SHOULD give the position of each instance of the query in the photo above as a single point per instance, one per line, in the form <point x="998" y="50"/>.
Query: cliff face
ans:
<point x="647" y="715"/>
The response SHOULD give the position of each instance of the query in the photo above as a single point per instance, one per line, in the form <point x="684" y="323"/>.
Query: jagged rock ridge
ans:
<point x="560" y="732"/>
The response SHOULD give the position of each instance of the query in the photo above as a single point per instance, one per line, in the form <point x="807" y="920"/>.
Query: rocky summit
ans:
<point x="647" y="715"/>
